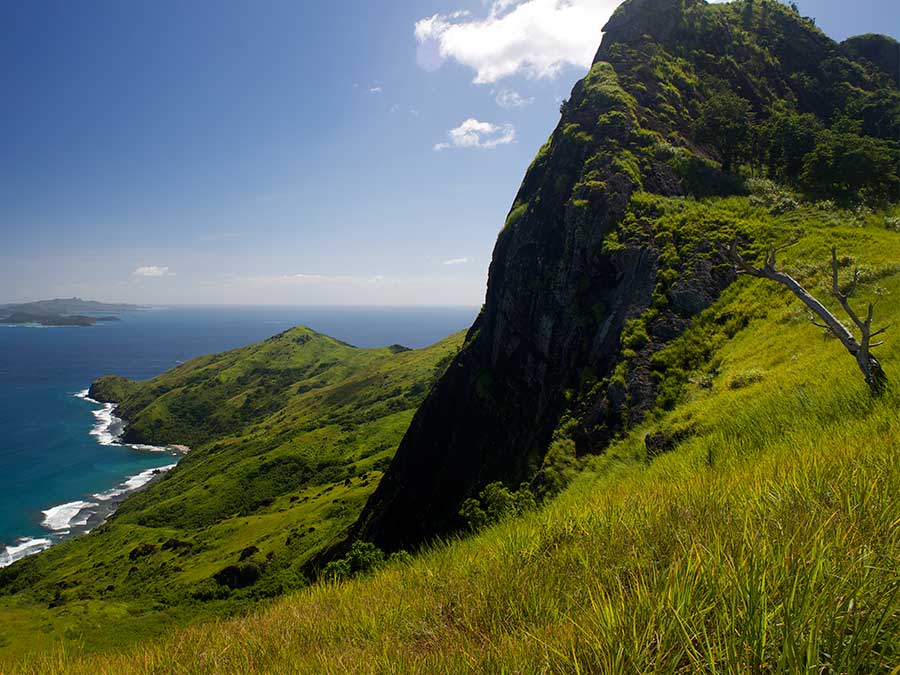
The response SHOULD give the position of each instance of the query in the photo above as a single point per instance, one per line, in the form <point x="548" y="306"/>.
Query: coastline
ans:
<point x="72" y="519"/>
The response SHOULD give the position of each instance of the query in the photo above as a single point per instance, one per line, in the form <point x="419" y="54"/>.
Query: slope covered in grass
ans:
<point x="289" y="438"/>
<point x="765" y="540"/>
<point x="597" y="268"/>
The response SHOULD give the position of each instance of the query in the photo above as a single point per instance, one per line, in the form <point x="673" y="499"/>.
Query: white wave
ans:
<point x="64" y="516"/>
<point x="148" y="448"/>
<point x="145" y="477"/>
<point x="108" y="428"/>
<point x="132" y="483"/>
<point x="109" y="494"/>
<point x="24" y="547"/>
<point x="27" y="325"/>
<point x="84" y="395"/>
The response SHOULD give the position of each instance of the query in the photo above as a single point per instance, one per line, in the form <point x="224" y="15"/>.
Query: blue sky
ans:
<point x="283" y="152"/>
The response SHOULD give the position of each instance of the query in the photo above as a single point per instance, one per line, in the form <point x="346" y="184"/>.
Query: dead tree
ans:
<point x="861" y="349"/>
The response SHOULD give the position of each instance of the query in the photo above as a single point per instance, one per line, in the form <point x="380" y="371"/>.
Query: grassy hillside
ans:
<point x="765" y="540"/>
<point x="734" y="505"/>
<point x="597" y="268"/>
<point x="289" y="437"/>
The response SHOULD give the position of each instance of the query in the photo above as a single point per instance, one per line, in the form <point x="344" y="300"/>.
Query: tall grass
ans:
<point x="768" y="542"/>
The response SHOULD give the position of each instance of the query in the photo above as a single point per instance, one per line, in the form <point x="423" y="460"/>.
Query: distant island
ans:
<point x="63" y="312"/>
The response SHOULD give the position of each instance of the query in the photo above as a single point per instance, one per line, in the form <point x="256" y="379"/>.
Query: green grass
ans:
<point x="766" y="541"/>
<point x="289" y="438"/>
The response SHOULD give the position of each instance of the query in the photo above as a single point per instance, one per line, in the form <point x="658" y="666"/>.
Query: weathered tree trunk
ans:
<point x="861" y="349"/>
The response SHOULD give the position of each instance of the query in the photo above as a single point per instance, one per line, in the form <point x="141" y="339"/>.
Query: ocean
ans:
<point x="61" y="468"/>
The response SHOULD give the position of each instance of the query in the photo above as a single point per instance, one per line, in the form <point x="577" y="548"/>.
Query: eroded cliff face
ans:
<point x="559" y="294"/>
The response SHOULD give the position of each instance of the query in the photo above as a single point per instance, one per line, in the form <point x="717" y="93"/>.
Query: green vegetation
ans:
<point x="59" y="312"/>
<point x="719" y="493"/>
<point x="760" y="535"/>
<point x="289" y="438"/>
<point x="725" y="122"/>
<point x="849" y="167"/>
<point x="496" y="502"/>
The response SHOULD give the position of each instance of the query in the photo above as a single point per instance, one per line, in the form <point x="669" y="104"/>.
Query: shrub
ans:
<point x="495" y="503"/>
<point x="786" y="139"/>
<point x="745" y="379"/>
<point x="725" y="124"/>
<point x="771" y="196"/>
<point x="848" y="168"/>
<point x="141" y="551"/>
<point x="363" y="557"/>
<point x="238" y="576"/>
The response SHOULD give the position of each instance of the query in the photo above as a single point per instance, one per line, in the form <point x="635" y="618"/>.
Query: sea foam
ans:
<point x="108" y="428"/>
<point x="66" y="516"/>
<point x="132" y="483"/>
<point x="23" y="547"/>
<point x="75" y="517"/>
<point x="85" y="395"/>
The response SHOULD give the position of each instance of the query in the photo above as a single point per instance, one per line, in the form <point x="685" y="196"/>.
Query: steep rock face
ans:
<point x="563" y="286"/>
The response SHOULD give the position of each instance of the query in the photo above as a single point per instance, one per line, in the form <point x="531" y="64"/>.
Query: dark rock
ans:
<point x="636" y="18"/>
<point x="176" y="545"/>
<point x="247" y="553"/>
<point x="141" y="551"/>
<point x="664" y="441"/>
<point x="558" y="298"/>
<point x="238" y="576"/>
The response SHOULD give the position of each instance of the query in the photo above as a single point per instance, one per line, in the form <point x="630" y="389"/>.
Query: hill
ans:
<point x="595" y="273"/>
<point x="288" y="438"/>
<point x="660" y="465"/>
<point x="763" y="538"/>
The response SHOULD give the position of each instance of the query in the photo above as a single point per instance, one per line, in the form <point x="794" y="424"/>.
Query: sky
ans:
<point x="283" y="152"/>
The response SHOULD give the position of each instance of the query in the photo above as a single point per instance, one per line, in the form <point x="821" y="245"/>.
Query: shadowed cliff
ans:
<point x="575" y="265"/>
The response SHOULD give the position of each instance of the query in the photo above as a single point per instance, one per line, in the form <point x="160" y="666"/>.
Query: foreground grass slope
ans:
<point x="289" y="438"/>
<point x="767" y="540"/>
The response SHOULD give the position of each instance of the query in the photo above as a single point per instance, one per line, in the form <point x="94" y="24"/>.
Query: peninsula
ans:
<point x="63" y="312"/>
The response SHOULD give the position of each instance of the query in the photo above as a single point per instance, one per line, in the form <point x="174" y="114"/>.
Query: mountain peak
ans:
<point x="657" y="18"/>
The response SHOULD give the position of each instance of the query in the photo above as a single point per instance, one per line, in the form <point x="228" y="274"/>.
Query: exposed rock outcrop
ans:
<point x="559" y="293"/>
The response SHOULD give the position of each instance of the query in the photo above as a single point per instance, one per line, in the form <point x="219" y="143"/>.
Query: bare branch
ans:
<point x="860" y="349"/>
<point x="836" y="290"/>
<point x="793" y="242"/>
<point x="740" y="263"/>
<point x="853" y="284"/>
<point x="881" y="331"/>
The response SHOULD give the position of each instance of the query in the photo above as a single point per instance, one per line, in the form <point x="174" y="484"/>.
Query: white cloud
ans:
<point x="458" y="261"/>
<point x="531" y="37"/>
<point x="153" y="271"/>
<point x="376" y="90"/>
<point x="507" y="98"/>
<point x="475" y="134"/>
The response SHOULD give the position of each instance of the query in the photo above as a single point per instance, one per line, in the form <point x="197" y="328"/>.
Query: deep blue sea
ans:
<point x="48" y="457"/>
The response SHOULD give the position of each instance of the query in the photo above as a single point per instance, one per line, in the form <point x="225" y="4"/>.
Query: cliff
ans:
<point x="584" y="289"/>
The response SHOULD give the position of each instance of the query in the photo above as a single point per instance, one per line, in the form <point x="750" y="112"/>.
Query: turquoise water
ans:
<point x="48" y="457"/>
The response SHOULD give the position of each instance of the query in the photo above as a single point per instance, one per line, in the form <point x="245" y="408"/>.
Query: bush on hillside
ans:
<point x="848" y="167"/>
<point x="725" y="123"/>
<point x="785" y="140"/>
<point x="495" y="503"/>
<point x="364" y="557"/>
